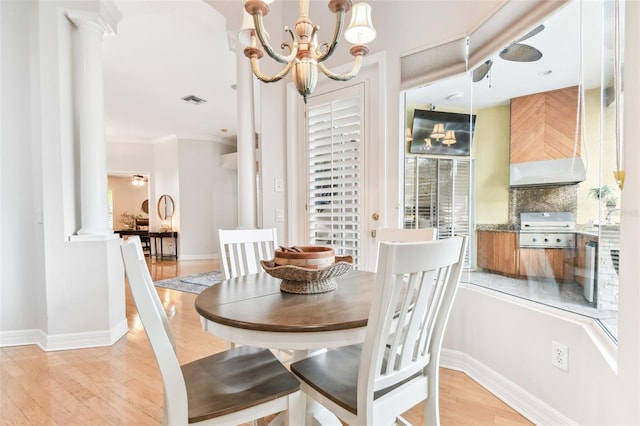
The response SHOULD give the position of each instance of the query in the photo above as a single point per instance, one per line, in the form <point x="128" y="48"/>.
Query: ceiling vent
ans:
<point x="193" y="100"/>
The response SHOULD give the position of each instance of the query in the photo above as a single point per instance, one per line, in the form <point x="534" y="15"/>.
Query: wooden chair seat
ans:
<point x="333" y="374"/>
<point x="233" y="380"/>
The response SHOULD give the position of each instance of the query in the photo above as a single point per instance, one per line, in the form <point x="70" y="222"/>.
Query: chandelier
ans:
<point x="137" y="180"/>
<point x="305" y="55"/>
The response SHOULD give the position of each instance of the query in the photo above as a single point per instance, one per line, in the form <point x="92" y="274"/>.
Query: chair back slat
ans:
<point x="416" y="285"/>
<point x="156" y="325"/>
<point x="241" y="250"/>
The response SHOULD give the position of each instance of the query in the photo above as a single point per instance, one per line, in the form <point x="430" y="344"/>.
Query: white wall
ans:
<point x="21" y="257"/>
<point x="129" y="158"/>
<point x="44" y="294"/>
<point x="208" y="195"/>
<point x="191" y="172"/>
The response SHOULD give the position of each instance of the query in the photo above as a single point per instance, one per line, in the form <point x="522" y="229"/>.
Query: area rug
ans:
<point x="192" y="284"/>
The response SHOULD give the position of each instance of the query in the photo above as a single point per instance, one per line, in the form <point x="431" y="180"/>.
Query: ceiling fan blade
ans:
<point x="482" y="71"/>
<point x="530" y="34"/>
<point x="521" y="53"/>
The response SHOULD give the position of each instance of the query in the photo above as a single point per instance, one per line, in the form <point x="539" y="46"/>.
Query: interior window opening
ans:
<point x="536" y="182"/>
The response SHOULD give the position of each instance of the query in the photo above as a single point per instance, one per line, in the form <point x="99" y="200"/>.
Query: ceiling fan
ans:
<point x="515" y="52"/>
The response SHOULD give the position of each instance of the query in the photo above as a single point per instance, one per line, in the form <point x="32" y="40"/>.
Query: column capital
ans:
<point x="90" y="21"/>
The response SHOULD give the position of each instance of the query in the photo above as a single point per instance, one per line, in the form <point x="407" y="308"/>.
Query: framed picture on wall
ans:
<point x="441" y="133"/>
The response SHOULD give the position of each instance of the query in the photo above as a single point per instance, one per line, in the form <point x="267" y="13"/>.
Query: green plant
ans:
<point x="603" y="193"/>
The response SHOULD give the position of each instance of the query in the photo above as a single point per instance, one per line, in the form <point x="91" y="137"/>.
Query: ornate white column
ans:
<point x="89" y="120"/>
<point x="247" y="194"/>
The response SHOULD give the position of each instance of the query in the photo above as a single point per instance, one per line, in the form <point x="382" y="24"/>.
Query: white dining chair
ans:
<point x="241" y="250"/>
<point x="375" y="382"/>
<point x="400" y="235"/>
<point x="228" y="388"/>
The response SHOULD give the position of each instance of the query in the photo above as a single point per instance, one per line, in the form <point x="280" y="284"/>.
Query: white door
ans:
<point x="337" y="161"/>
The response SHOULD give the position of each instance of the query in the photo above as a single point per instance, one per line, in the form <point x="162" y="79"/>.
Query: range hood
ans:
<point x="564" y="171"/>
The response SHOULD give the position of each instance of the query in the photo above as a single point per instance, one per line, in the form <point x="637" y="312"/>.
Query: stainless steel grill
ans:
<point x="547" y="230"/>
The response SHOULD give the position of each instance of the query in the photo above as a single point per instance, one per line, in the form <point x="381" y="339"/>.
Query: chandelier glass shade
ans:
<point x="305" y="54"/>
<point x="438" y="131"/>
<point x="449" y="138"/>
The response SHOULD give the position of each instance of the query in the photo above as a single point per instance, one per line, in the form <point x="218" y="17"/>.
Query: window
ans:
<point x="110" y="204"/>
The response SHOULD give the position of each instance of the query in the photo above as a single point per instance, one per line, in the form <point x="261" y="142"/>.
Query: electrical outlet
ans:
<point x="559" y="355"/>
<point x="278" y="185"/>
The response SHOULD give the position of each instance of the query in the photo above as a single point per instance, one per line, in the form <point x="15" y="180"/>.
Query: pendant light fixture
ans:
<point x="305" y="54"/>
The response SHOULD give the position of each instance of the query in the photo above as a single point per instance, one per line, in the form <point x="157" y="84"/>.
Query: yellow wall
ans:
<point x="491" y="151"/>
<point x="588" y="208"/>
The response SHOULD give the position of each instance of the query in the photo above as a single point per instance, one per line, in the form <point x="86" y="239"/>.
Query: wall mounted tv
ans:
<point x="452" y="125"/>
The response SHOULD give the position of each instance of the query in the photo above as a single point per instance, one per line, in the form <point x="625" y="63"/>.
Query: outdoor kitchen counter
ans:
<point x="499" y="251"/>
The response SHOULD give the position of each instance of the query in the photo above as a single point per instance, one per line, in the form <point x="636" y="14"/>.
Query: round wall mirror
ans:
<point x="165" y="207"/>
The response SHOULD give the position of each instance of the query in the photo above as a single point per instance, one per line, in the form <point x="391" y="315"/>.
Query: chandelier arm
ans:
<point x="358" y="52"/>
<point x="337" y="32"/>
<point x="261" y="33"/>
<point x="255" y="67"/>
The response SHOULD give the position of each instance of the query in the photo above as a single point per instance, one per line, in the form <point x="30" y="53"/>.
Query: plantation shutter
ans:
<point x="453" y="197"/>
<point x="438" y="194"/>
<point x="335" y="171"/>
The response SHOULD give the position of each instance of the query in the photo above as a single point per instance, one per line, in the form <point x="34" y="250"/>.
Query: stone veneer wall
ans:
<point x="559" y="198"/>
<point x="607" y="284"/>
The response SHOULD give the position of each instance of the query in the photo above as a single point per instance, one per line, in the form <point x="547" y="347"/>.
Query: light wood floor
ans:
<point x="121" y="384"/>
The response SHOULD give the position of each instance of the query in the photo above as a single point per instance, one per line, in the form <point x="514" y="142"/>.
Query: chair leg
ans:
<point x="432" y="403"/>
<point x="402" y="422"/>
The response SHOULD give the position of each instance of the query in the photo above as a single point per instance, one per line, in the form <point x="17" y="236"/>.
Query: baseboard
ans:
<point x="531" y="407"/>
<point x="66" y="341"/>
<point x="20" y="337"/>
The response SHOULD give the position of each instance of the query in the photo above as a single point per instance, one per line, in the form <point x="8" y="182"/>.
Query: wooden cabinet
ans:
<point x="546" y="263"/>
<point x="498" y="252"/>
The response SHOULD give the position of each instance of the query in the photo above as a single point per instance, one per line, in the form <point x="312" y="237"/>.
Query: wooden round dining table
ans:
<point x="252" y="310"/>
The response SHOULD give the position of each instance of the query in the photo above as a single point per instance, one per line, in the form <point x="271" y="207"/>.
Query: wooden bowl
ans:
<point x="310" y="257"/>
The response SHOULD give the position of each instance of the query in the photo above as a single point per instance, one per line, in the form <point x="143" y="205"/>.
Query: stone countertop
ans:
<point x="589" y="230"/>
<point x="498" y="227"/>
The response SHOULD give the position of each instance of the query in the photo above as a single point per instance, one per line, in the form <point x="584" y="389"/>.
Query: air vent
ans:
<point x="193" y="100"/>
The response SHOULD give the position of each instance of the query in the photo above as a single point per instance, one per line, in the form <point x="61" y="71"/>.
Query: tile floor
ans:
<point x="563" y="295"/>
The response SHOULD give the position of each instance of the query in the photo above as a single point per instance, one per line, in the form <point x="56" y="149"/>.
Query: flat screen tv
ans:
<point x="452" y="136"/>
